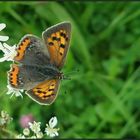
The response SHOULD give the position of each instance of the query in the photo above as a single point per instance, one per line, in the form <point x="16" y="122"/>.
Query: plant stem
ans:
<point x="9" y="132"/>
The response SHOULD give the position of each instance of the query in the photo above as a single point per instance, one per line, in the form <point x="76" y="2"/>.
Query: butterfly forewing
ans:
<point x="57" y="39"/>
<point x="31" y="50"/>
<point x="45" y="92"/>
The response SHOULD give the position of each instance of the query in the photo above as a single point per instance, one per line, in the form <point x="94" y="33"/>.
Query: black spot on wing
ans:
<point x="62" y="45"/>
<point x="51" y="43"/>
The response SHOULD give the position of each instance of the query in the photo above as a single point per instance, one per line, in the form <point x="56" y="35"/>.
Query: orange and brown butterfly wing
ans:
<point x="45" y="92"/>
<point x="24" y="77"/>
<point x="22" y="46"/>
<point x="13" y="76"/>
<point x="31" y="50"/>
<point x="57" y="40"/>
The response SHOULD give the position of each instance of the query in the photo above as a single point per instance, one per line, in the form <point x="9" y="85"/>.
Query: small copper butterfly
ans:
<point x="37" y="65"/>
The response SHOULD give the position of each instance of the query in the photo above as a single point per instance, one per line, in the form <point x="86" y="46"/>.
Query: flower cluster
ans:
<point x="25" y="119"/>
<point x="34" y="130"/>
<point x="14" y="91"/>
<point x="4" y="118"/>
<point x="9" y="51"/>
<point x="9" y="54"/>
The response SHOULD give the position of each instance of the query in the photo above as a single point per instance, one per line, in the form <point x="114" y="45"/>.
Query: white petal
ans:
<point x="52" y="135"/>
<point x="35" y="126"/>
<point x="2" y="48"/>
<point x="53" y="122"/>
<point x="4" y="58"/>
<point x="30" y="124"/>
<point x="56" y="133"/>
<point x="39" y="135"/>
<point x="5" y="49"/>
<point x="13" y="91"/>
<point x="26" y="131"/>
<point x="2" y="26"/>
<point x="8" y="92"/>
<point x="33" y="137"/>
<point x="2" y="121"/>
<point x="18" y="94"/>
<point x="47" y="131"/>
<point x="20" y="136"/>
<point x="9" y="47"/>
<point x="9" y="52"/>
<point x="4" y="38"/>
<point x="3" y="114"/>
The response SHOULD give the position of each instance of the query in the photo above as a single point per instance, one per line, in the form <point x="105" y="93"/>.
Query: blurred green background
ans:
<point x="103" y="99"/>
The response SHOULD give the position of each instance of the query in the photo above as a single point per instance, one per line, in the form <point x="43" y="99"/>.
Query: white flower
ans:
<point x="14" y="91"/>
<point x="39" y="135"/>
<point x="50" y="130"/>
<point x="2" y="121"/>
<point x="20" y="136"/>
<point x="4" y="118"/>
<point x="3" y="38"/>
<point x="53" y="122"/>
<point x="35" y="127"/>
<point x="33" y="137"/>
<point x="26" y="131"/>
<point x="9" y="52"/>
<point x="4" y="114"/>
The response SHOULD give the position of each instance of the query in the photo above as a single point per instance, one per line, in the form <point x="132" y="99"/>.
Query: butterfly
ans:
<point x="38" y="62"/>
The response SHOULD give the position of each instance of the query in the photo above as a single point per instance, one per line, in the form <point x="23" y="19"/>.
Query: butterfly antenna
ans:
<point x="67" y="77"/>
<point x="71" y="72"/>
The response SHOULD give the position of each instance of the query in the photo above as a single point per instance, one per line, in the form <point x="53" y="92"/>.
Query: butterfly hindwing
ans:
<point x="31" y="50"/>
<point x="45" y="92"/>
<point x="57" y="39"/>
<point x="13" y="76"/>
<point x="24" y="76"/>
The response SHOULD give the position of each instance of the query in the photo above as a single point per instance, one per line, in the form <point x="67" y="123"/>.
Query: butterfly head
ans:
<point x="66" y="76"/>
<point x="61" y="76"/>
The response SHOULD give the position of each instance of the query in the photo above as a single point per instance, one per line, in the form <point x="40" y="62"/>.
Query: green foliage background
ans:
<point x="102" y="100"/>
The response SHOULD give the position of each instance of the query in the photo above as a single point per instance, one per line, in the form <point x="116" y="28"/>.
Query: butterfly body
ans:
<point x="38" y="63"/>
<point x="44" y="72"/>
